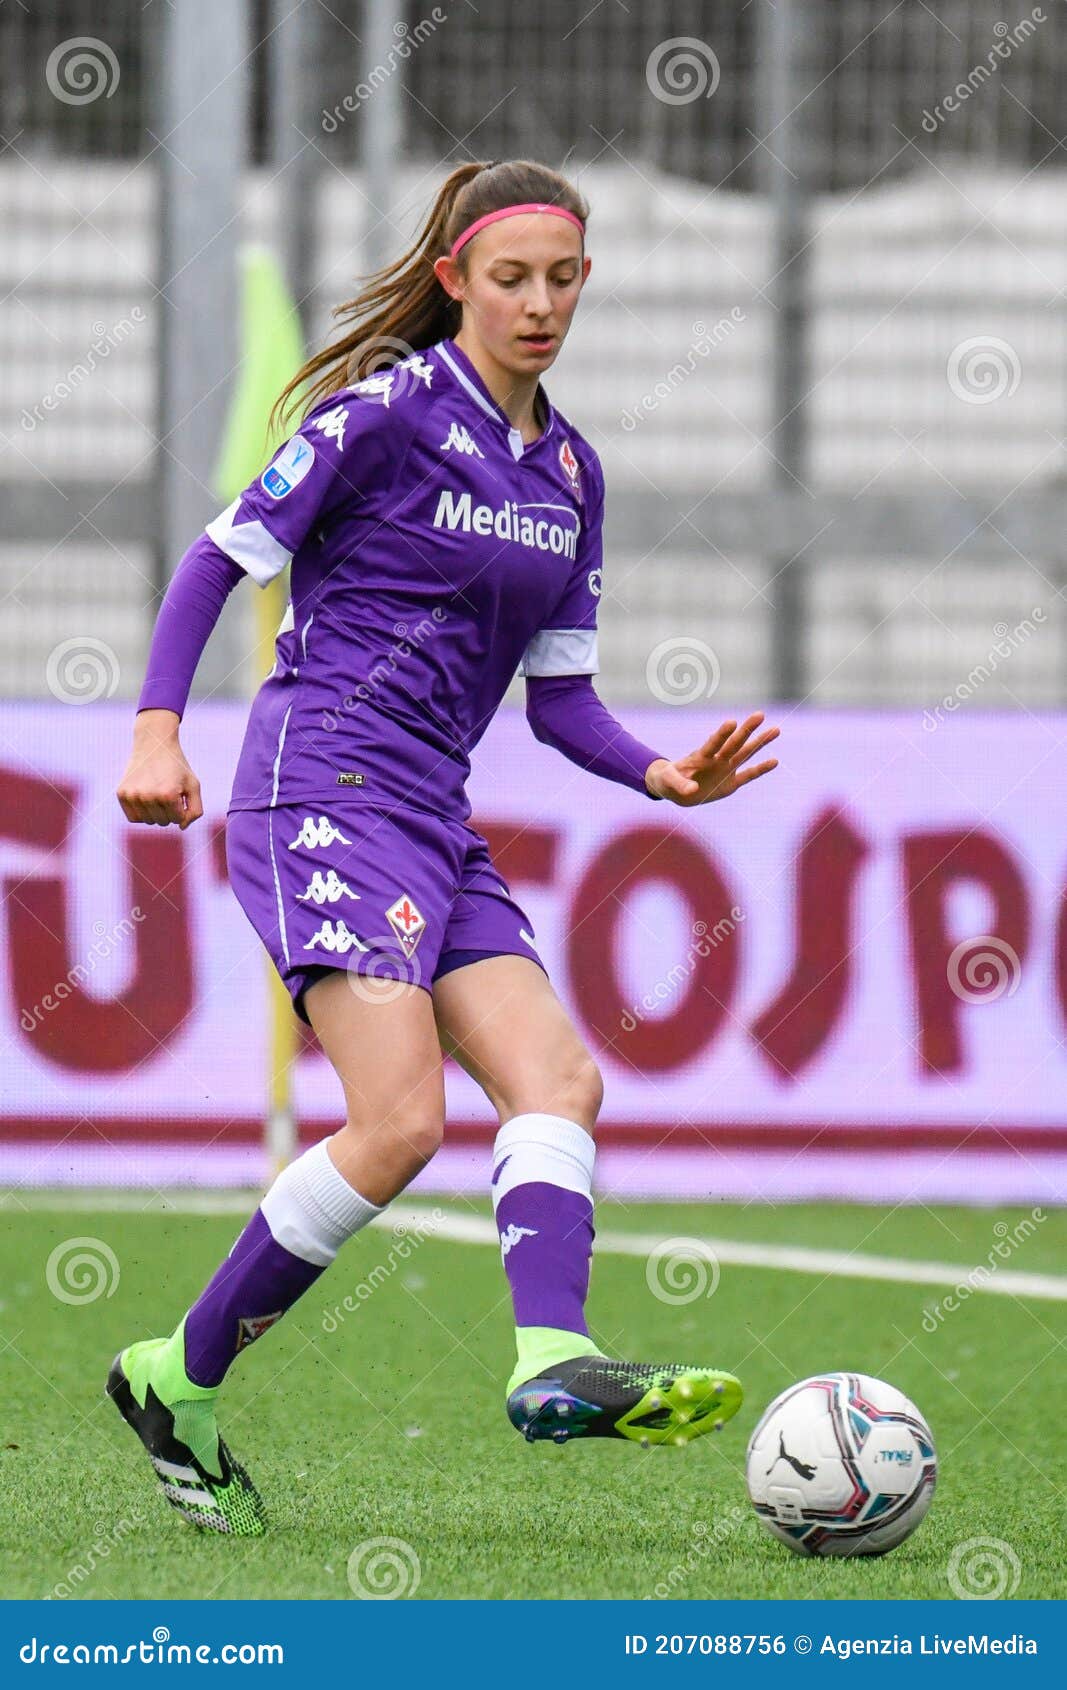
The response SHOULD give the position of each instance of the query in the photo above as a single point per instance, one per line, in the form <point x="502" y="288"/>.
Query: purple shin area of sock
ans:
<point x="546" y="1233"/>
<point x="256" y="1283"/>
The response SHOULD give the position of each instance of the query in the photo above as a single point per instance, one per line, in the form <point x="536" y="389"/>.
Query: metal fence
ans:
<point x="821" y="353"/>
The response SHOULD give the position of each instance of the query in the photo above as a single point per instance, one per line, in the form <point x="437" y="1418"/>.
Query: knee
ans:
<point x="421" y="1134"/>
<point x="413" y="1136"/>
<point x="587" y="1092"/>
<point x="575" y="1091"/>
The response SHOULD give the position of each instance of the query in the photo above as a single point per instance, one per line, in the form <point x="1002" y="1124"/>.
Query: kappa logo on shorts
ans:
<point x="318" y="833"/>
<point x="326" y="888"/>
<point x="407" y="922"/>
<point x="251" y="1327"/>
<point x="335" y="938"/>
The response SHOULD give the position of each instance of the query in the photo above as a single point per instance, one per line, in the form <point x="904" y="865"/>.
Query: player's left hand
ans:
<point x="713" y="771"/>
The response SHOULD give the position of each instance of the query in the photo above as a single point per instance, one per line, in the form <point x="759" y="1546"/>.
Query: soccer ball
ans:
<point x="841" y="1464"/>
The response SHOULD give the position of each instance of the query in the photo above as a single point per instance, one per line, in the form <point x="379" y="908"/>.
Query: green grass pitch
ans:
<point x="388" y="1421"/>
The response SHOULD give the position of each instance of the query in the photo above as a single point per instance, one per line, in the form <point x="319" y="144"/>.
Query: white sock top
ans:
<point x="546" y="1149"/>
<point x="311" y="1209"/>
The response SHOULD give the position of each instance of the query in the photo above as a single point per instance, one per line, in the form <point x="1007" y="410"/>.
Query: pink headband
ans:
<point x="512" y="211"/>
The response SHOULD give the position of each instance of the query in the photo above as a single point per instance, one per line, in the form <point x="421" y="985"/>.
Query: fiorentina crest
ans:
<point x="571" y="469"/>
<point x="407" y="922"/>
<point x="251" y="1327"/>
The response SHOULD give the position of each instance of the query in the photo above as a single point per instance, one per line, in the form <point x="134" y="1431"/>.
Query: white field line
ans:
<point x="478" y="1229"/>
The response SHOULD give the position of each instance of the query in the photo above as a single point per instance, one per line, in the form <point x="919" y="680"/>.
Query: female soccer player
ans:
<point x="443" y="523"/>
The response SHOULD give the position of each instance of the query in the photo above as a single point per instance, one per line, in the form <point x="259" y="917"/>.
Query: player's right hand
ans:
<point x="158" y="787"/>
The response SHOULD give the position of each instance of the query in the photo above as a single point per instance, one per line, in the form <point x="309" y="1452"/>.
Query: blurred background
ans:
<point x="821" y="352"/>
<point x="822" y="356"/>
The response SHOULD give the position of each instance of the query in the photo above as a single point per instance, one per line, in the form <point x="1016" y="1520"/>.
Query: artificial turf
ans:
<point x="384" y="1420"/>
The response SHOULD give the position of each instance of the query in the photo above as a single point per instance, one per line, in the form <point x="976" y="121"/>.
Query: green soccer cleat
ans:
<point x="590" y="1397"/>
<point x="175" y="1420"/>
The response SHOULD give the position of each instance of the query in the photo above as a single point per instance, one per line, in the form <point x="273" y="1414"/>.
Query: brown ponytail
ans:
<point x="403" y="308"/>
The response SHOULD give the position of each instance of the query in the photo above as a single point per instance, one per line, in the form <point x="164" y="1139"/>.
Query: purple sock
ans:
<point x="542" y="1175"/>
<point x="546" y="1239"/>
<point x="252" y="1289"/>
<point x="305" y="1217"/>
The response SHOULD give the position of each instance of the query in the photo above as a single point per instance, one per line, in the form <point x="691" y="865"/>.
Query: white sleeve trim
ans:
<point x="249" y="544"/>
<point x="561" y="651"/>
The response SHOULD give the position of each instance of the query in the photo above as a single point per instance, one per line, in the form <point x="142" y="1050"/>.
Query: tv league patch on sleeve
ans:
<point x="289" y="468"/>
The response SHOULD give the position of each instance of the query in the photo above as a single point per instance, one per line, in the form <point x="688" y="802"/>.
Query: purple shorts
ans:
<point x="405" y="896"/>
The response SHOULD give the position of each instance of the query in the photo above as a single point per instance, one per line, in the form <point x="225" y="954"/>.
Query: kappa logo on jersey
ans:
<point x="326" y="889"/>
<point x="251" y="1327"/>
<point x="336" y="939"/>
<point x="407" y="922"/>
<point x="415" y="369"/>
<point x="314" y="834"/>
<point x="376" y="387"/>
<point x="395" y="382"/>
<point x="595" y="582"/>
<point x="332" y="424"/>
<point x="509" y="523"/>
<point x="288" y="469"/>
<point x="458" y="440"/>
<point x="513" y="1235"/>
<point x="571" y="468"/>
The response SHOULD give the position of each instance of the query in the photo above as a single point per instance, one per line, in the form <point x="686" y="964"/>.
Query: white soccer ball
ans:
<point x="841" y="1464"/>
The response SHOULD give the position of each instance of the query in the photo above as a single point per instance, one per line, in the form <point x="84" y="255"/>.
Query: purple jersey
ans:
<point x="433" y="555"/>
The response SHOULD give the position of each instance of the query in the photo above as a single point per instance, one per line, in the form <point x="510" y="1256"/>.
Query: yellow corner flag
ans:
<point x="272" y="350"/>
